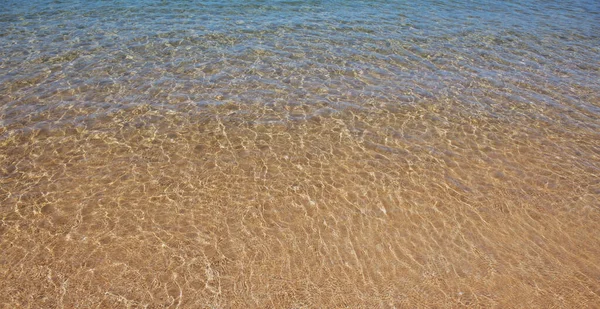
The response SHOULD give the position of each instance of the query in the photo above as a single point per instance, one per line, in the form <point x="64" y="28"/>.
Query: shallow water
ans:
<point x="299" y="154"/>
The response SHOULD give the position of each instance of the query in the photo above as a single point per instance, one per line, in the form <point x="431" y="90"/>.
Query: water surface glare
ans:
<point x="299" y="154"/>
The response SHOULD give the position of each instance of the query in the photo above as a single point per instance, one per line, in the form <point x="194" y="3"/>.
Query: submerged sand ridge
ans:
<point x="225" y="207"/>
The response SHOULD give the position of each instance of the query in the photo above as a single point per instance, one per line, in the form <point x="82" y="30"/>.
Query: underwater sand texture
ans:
<point x="299" y="155"/>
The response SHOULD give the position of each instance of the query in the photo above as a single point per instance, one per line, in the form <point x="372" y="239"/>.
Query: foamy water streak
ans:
<point x="293" y="154"/>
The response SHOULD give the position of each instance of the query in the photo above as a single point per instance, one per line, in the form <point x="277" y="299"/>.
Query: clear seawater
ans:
<point x="299" y="154"/>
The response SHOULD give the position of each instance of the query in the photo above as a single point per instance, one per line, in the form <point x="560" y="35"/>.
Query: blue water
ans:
<point x="425" y="48"/>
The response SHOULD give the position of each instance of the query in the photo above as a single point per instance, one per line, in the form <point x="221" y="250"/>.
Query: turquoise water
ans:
<point x="299" y="154"/>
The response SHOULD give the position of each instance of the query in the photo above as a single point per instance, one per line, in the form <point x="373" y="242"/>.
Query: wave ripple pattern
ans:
<point x="299" y="154"/>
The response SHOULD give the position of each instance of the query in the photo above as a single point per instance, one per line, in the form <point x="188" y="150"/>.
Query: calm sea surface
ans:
<point x="299" y="154"/>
